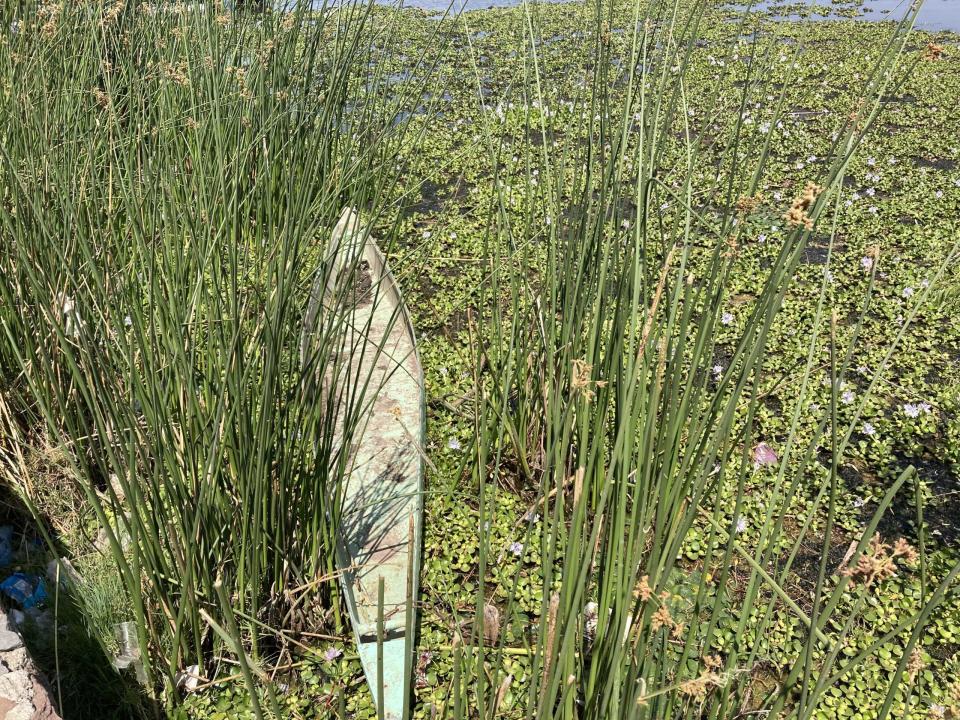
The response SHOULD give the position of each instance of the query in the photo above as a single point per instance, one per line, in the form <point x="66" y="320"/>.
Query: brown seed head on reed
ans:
<point x="933" y="52"/>
<point x="877" y="562"/>
<point x="799" y="213"/>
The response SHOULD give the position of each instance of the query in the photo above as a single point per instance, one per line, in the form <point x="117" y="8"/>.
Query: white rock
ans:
<point x="9" y="640"/>
<point x="16" y="687"/>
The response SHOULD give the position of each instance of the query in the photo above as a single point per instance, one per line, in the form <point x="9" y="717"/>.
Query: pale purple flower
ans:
<point x="332" y="653"/>
<point x="872" y="210"/>
<point x="870" y="192"/>
<point x="911" y="410"/>
<point x="867" y="263"/>
<point x="763" y="454"/>
<point x="908" y="292"/>
<point x="717" y="371"/>
<point x="726" y="318"/>
<point x="869" y="429"/>
<point x="847" y="397"/>
<point x="516" y="548"/>
<point x="453" y="444"/>
<point x="741" y="524"/>
<point x="871" y="161"/>
<point x="938" y="194"/>
<point x="924" y="283"/>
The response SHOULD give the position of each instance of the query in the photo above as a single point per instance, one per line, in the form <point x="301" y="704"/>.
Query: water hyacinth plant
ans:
<point x="604" y="391"/>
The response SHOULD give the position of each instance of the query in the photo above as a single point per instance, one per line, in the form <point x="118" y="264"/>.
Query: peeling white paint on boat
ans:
<point x="375" y="371"/>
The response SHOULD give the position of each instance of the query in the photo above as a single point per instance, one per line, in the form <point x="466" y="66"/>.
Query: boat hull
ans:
<point x="377" y="380"/>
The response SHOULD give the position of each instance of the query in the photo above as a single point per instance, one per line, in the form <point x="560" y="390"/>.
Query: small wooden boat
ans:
<point x="380" y="433"/>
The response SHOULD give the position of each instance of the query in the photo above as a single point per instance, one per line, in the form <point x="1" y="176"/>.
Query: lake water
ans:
<point x="934" y="14"/>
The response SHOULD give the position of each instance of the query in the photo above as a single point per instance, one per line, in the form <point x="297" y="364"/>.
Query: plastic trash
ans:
<point x="6" y="545"/>
<point x="129" y="656"/>
<point x="68" y="573"/>
<point x="26" y="590"/>
<point x="189" y="678"/>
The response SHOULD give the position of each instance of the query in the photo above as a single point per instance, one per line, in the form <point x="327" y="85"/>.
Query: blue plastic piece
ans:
<point x="27" y="590"/>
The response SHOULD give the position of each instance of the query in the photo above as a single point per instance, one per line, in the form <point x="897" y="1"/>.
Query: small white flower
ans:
<point x="908" y="292"/>
<point x="516" y="548"/>
<point x="847" y="397"/>
<point x="859" y="502"/>
<point x="717" y="371"/>
<point x="938" y="194"/>
<point x="924" y="283"/>
<point x="741" y="524"/>
<point x="867" y="263"/>
<point x="453" y="444"/>
<point x="869" y="429"/>
<point x="127" y="321"/>
<point x="871" y="161"/>
<point x="911" y="410"/>
<point x="726" y="318"/>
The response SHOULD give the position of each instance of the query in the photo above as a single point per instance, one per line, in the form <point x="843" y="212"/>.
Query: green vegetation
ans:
<point x="666" y="416"/>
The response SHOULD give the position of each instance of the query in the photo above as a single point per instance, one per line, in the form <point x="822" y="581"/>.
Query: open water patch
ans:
<point x="934" y="15"/>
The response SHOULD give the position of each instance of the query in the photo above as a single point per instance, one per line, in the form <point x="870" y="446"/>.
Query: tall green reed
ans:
<point x="604" y="391"/>
<point x="171" y="178"/>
